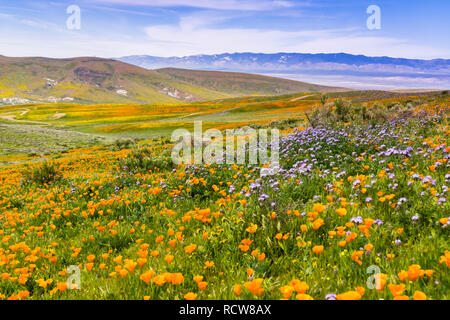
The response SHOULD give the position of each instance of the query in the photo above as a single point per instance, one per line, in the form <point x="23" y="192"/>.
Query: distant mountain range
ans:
<point x="98" y="80"/>
<point x="432" y="73"/>
<point x="294" y="62"/>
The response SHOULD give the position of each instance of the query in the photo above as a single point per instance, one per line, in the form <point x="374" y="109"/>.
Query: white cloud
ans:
<point x="193" y="36"/>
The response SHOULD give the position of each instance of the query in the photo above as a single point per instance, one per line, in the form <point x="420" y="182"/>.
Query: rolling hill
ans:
<point x="242" y="84"/>
<point x="98" y="80"/>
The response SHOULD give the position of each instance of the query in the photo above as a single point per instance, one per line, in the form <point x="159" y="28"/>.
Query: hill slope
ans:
<point x="242" y="84"/>
<point x="98" y="80"/>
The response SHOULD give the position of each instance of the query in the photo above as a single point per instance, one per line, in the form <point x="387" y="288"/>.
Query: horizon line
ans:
<point x="224" y="53"/>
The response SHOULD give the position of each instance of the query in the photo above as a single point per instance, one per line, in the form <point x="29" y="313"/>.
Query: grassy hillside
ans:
<point x="243" y="84"/>
<point x="97" y="80"/>
<point x="91" y="80"/>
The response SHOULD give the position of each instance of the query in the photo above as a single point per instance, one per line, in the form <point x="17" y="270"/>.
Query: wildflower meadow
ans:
<point x="355" y="210"/>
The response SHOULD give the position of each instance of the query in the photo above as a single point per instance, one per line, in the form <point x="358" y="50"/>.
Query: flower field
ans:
<point x="355" y="212"/>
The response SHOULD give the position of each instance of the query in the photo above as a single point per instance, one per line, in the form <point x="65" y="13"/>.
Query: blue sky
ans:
<point x="114" y="28"/>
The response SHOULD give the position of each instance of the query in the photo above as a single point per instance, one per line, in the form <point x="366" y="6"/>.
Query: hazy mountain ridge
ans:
<point x="294" y="61"/>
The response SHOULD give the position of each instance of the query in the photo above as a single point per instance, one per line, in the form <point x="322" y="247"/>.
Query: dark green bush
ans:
<point x="143" y="159"/>
<point x="121" y="144"/>
<point x="43" y="174"/>
<point x="341" y="111"/>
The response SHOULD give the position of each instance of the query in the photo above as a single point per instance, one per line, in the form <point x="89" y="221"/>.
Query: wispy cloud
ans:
<point x="36" y="23"/>
<point x="253" y="5"/>
<point x="122" y="11"/>
<point x="30" y="22"/>
<point x="6" y="16"/>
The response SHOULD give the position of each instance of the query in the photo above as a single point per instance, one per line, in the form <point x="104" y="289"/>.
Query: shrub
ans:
<point x="43" y="174"/>
<point x="377" y="113"/>
<point x="329" y="114"/>
<point x="143" y="160"/>
<point x="323" y="99"/>
<point x="121" y="144"/>
<point x="342" y="110"/>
